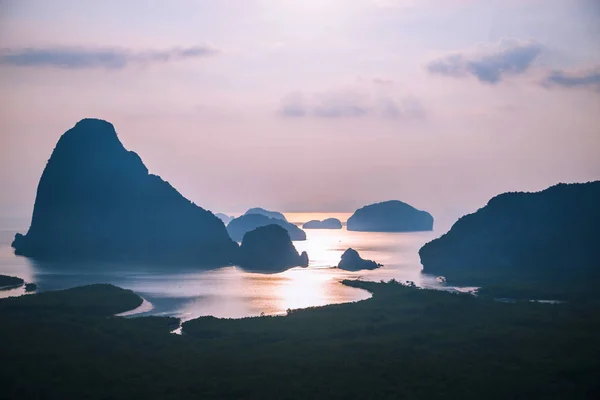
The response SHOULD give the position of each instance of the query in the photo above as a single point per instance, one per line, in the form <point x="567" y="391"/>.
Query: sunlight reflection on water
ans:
<point x="231" y="292"/>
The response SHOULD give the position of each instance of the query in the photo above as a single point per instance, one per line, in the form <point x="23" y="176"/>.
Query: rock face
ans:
<point x="390" y="216"/>
<point x="351" y="261"/>
<point x="224" y="217"/>
<point x="96" y="201"/>
<point x="329" y="223"/>
<point x="266" y="213"/>
<point x="549" y="234"/>
<point x="238" y="227"/>
<point x="269" y="248"/>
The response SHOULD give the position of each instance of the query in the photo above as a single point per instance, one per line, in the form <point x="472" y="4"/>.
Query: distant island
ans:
<point x="270" y="249"/>
<point x="238" y="227"/>
<point x="352" y="261"/>
<point x="390" y="216"/>
<point x="329" y="223"/>
<point x="224" y="217"/>
<point x="539" y="244"/>
<point x="266" y="213"/>
<point x="97" y="201"/>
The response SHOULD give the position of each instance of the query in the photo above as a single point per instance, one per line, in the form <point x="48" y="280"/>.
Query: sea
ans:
<point x="230" y="292"/>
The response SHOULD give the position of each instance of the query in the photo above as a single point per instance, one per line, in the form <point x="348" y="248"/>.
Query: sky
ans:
<point x="313" y="105"/>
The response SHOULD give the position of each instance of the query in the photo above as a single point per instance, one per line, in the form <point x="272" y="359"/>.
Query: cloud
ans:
<point x="107" y="58"/>
<point x="382" y="81"/>
<point x="340" y="104"/>
<point x="407" y="108"/>
<point x="409" y="4"/>
<point x="293" y="105"/>
<point x="578" y="79"/>
<point x="405" y="4"/>
<point x="374" y="80"/>
<point x="490" y="65"/>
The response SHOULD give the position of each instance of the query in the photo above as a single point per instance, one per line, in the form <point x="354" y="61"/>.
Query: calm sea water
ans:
<point x="191" y="292"/>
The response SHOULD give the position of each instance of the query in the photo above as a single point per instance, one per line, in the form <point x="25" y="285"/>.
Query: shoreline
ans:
<point x="145" y="307"/>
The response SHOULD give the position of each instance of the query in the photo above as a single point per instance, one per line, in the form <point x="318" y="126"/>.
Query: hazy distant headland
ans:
<point x="224" y="217"/>
<point x="266" y="213"/>
<point x="238" y="227"/>
<point x="328" y="223"/>
<point x="97" y="201"/>
<point x="545" y="241"/>
<point x="390" y="216"/>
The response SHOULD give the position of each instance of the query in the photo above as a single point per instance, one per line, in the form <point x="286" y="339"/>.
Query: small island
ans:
<point x="329" y="223"/>
<point x="270" y="249"/>
<point x="390" y="216"/>
<point x="352" y="261"/>
<point x="9" y="282"/>
<point x="30" y="287"/>
<point x="266" y="213"/>
<point x="224" y="217"/>
<point x="238" y="227"/>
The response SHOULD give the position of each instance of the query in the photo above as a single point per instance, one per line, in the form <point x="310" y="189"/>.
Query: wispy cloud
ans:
<point x="403" y="4"/>
<point x="489" y="65"/>
<point x="407" y="4"/>
<point x="293" y="105"/>
<point x="382" y="81"/>
<point x="108" y="58"/>
<point x="349" y="104"/>
<point x="375" y="80"/>
<point x="574" y="79"/>
<point x="339" y="104"/>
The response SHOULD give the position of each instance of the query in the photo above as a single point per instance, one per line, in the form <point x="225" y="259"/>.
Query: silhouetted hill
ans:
<point x="96" y="201"/>
<point x="269" y="248"/>
<point x="10" y="281"/>
<point x="352" y="261"/>
<point x="329" y="223"/>
<point x="549" y="238"/>
<point x="224" y="217"/>
<point x="266" y="213"/>
<point x="390" y="216"/>
<point x="238" y="227"/>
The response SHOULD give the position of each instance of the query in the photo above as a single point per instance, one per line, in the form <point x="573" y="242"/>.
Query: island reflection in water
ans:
<point x="188" y="292"/>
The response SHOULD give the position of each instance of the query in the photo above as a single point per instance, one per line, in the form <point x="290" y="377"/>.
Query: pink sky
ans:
<point x="321" y="106"/>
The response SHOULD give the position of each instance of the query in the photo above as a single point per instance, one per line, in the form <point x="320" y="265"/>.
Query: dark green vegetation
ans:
<point x="270" y="249"/>
<point x="97" y="201"/>
<point x="352" y="261"/>
<point x="525" y="245"/>
<point x="10" y="281"/>
<point x="402" y="343"/>
<point x="390" y="216"/>
<point x="30" y="287"/>
<point x="92" y="300"/>
<point x="239" y="226"/>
